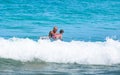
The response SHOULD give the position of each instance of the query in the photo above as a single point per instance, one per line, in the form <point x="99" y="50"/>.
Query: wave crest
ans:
<point x="80" y="52"/>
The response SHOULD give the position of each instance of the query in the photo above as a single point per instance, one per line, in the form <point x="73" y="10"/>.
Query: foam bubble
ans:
<point x="80" y="52"/>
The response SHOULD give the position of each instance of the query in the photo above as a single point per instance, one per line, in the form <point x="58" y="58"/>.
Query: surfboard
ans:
<point x="44" y="38"/>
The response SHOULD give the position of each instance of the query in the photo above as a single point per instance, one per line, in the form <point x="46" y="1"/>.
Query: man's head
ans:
<point x="55" y="29"/>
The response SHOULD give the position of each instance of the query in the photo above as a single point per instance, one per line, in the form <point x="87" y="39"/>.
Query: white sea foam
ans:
<point x="80" y="52"/>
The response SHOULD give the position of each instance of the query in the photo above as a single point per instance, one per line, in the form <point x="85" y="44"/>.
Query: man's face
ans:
<point x="55" y="29"/>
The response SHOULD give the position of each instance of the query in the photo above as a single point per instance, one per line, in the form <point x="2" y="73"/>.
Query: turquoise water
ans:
<point x="90" y="20"/>
<point x="90" y="43"/>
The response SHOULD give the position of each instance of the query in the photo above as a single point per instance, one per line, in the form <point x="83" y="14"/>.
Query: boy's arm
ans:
<point x="60" y="37"/>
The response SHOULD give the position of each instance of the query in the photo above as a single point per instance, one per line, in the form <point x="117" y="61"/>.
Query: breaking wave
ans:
<point x="25" y="49"/>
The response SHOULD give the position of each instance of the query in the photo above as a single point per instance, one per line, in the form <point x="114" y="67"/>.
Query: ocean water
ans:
<point x="90" y="46"/>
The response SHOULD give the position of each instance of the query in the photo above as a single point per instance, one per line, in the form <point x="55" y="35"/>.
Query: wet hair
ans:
<point x="61" y="31"/>
<point x="55" y="27"/>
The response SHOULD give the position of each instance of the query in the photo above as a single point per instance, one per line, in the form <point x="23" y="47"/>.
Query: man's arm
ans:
<point x="50" y="34"/>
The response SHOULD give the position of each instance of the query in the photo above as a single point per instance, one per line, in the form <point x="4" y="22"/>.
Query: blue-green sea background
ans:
<point x="82" y="20"/>
<point x="88" y="20"/>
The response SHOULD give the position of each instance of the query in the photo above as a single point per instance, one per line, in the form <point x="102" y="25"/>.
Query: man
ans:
<point x="53" y="32"/>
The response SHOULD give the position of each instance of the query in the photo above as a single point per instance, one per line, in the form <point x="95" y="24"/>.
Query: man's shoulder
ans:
<point x="50" y="31"/>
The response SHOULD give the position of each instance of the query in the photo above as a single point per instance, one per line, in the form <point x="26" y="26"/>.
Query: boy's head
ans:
<point x="61" y="31"/>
